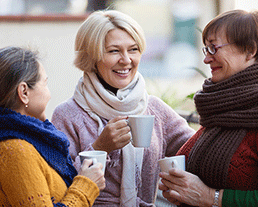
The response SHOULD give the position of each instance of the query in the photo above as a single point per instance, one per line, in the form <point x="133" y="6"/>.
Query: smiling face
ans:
<point x="228" y="60"/>
<point x="121" y="59"/>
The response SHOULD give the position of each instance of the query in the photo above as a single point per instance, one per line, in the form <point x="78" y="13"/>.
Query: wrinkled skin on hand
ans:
<point x="180" y="186"/>
<point x="93" y="172"/>
<point x="114" y="136"/>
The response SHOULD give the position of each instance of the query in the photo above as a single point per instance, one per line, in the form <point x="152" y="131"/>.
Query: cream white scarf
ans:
<point x="99" y="102"/>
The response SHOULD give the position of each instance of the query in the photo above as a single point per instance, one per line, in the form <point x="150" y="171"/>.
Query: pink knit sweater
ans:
<point x="170" y="132"/>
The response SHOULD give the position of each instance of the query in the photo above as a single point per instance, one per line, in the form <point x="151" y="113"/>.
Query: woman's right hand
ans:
<point x="93" y="172"/>
<point x="114" y="136"/>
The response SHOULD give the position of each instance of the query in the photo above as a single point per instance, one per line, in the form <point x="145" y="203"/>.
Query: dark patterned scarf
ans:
<point x="48" y="141"/>
<point x="227" y="109"/>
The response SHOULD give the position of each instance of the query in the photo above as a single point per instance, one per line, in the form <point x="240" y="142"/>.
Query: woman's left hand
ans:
<point x="180" y="186"/>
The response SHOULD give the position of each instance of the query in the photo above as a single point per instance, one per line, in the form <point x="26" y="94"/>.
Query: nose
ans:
<point x="125" y="58"/>
<point x="208" y="58"/>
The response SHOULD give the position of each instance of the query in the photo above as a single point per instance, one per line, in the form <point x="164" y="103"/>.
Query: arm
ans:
<point x="77" y="126"/>
<point x="239" y="198"/>
<point x="63" y="119"/>
<point x="82" y="130"/>
<point x="28" y="180"/>
<point x="176" y="130"/>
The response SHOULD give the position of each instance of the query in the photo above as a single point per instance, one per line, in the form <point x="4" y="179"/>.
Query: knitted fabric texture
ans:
<point x="49" y="142"/>
<point x="227" y="109"/>
<point x="26" y="179"/>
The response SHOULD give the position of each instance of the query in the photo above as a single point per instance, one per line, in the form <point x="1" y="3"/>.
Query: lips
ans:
<point x="213" y="69"/>
<point x="122" y="71"/>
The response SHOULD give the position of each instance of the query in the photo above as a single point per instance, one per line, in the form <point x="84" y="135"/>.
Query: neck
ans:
<point x="106" y="85"/>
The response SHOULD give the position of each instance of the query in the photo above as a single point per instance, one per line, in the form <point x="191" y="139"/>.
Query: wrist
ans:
<point x="216" y="198"/>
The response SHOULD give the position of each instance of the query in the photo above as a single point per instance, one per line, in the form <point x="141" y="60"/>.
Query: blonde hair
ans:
<point x="90" y="38"/>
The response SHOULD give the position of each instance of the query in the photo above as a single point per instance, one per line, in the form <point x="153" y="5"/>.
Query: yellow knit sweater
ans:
<point x="26" y="179"/>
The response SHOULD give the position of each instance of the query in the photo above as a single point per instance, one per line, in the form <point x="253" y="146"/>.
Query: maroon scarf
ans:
<point x="227" y="109"/>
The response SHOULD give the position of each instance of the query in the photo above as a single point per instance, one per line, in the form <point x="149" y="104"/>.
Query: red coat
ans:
<point x="243" y="168"/>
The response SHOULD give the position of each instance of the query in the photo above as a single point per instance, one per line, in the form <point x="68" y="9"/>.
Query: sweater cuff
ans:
<point x="239" y="198"/>
<point x="83" y="186"/>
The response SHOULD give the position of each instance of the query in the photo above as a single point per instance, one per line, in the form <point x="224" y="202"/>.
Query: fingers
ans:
<point x="177" y="172"/>
<point x="172" y="197"/>
<point x="119" y="127"/>
<point x="167" y="183"/>
<point x="86" y="163"/>
<point x="163" y="187"/>
<point x="93" y="172"/>
<point x="118" y="118"/>
<point x="175" y="175"/>
<point x="98" y="178"/>
<point x="98" y="165"/>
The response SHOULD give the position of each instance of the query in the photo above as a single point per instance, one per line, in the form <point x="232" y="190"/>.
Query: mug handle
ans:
<point x="174" y="164"/>
<point x="94" y="161"/>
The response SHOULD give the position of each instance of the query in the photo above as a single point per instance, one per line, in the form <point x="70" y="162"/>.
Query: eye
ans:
<point x="134" y="49"/>
<point x="113" y="51"/>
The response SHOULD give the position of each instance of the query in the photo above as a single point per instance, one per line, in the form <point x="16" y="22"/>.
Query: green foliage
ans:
<point x="190" y="96"/>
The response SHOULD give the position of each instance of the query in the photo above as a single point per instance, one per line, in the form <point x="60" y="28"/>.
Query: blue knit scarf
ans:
<point x="48" y="141"/>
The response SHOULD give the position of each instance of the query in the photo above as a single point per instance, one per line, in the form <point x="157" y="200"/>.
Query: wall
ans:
<point x="54" y="38"/>
<point x="55" y="41"/>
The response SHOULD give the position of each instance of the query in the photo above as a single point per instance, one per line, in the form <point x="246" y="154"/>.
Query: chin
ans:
<point x="122" y="85"/>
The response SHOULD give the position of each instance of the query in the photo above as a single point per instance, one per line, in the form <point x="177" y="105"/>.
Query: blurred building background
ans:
<point x="172" y="28"/>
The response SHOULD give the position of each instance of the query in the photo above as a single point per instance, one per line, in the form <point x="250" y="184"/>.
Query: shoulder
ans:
<point x="17" y="152"/>
<point x="16" y="145"/>
<point x="156" y="103"/>
<point x="69" y="116"/>
<point x="68" y="110"/>
<point x="69" y="106"/>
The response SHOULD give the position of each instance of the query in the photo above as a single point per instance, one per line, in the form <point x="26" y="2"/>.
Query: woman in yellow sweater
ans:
<point x="35" y="166"/>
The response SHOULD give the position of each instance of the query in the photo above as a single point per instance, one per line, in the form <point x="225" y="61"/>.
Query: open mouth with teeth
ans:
<point x="122" y="71"/>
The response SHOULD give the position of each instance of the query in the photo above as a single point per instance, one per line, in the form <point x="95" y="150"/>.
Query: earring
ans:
<point x="26" y="105"/>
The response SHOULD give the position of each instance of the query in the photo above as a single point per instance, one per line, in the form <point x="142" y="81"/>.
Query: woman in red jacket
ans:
<point x="222" y="157"/>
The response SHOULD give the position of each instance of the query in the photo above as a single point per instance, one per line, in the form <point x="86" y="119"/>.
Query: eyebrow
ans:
<point x="119" y="45"/>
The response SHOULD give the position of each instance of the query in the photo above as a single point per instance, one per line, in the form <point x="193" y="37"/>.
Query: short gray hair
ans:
<point x="16" y="65"/>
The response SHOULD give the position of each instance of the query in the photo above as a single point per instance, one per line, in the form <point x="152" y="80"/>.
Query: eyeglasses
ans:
<point x="212" y="49"/>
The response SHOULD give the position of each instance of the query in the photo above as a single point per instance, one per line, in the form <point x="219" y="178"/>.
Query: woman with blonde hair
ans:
<point x="108" y="47"/>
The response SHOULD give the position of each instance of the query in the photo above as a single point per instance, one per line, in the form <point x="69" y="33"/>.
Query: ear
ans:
<point x="23" y="93"/>
<point x="251" y="54"/>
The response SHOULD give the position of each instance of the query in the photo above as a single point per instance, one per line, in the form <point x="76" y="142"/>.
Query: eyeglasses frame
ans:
<point x="206" y="49"/>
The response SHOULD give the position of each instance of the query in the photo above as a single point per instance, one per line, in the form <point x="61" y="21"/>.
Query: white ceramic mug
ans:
<point x="96" y="156"/>
<point x="141" y="129"/>
<point x="172" y="162"/>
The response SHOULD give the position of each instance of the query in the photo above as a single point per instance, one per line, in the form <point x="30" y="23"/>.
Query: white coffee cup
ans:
<point x="141" y="129"/>
<point x="168" y="163"/>
<point x="96" y="156"/>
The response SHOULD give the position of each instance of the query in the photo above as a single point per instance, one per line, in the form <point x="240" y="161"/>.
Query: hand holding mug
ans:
<point x="180" y="186"/>
<point x="93" y="172"/>
<point x="114" y="136"/>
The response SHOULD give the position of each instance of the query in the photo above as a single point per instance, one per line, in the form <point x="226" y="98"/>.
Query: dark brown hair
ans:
<point x="16" y="65"/>
<point x="241" y="28"/>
